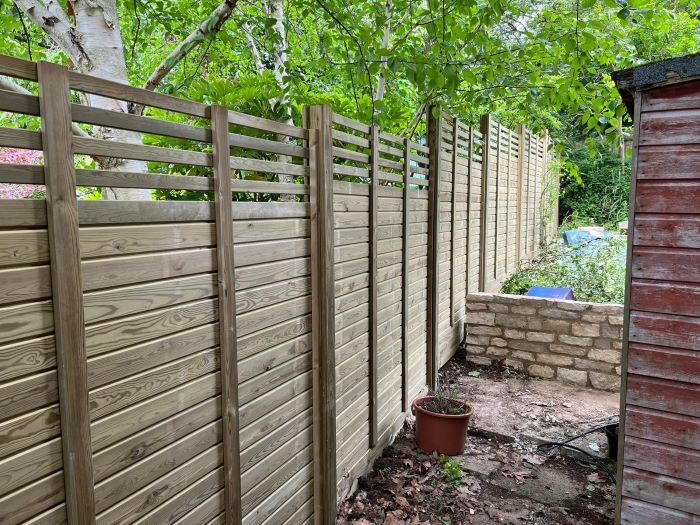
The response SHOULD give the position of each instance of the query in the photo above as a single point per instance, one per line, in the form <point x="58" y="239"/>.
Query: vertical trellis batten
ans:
<point x="485" y="159"/>
<point x="227" y="314"/>
<point x="519" y="203"/>
<point x="435" y="147"/>
<point x="66" y="283"/>
<point x="470" y="154"/>
<point x="373" y="223"/>
<point x="318" y="121"/>
<point x="453" y="253"/>
<point x="405" y="401"/>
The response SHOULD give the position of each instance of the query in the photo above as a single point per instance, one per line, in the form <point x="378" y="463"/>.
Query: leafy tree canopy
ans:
<point x="546" y="63"/>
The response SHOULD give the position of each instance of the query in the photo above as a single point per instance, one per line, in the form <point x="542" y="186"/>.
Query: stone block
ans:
<point x="615" y="320"/>
<point x="523" y="310"/>
<point x="528" y="346"/>
<point x="556" y="313"/>
<point x="609" y="309"/>
<point x="478" y="340"/>
<point x="593" y="318"/>
<point x="573" y="306"/>
<point x="576" y="341"/>
<point x="498" y="308"/>
<point x="540" y="337"/>
<point x="586" y="364"/>
<point x="577" y="351"/>
<point x="509" y="333"/>
<point x="554" y="359"/>
<point x="477" y="360"/>
<point x="607" y="382"/>
<point x="545" y="372"/>
<point x="498" y="341"/>
<point x="483" y="318"/>
<point x="585" y="329"/>
<point x="525" y="356"/>
<point x="613" y="332"/>
<point x="556" y="325"/>
<point x="602" y="342"/>
<point x="475" y="307"/>
<point x="475" y="349"/>
<point x="510" y="321"/>
<point x="607" y="356"/>
<point x="573" y="377"/>
<point x="483" y="330"/>
<point x="496" y="351"/>
<point x="535" y="323"/>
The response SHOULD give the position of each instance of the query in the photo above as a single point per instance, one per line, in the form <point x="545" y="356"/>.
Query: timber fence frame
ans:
<point x="233" y="360"/>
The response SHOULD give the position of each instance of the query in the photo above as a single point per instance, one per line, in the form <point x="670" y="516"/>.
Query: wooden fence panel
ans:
<point x="241" y="364"/>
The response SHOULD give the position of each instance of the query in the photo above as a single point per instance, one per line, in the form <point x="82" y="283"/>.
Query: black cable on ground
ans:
<point x="549" y="446"/>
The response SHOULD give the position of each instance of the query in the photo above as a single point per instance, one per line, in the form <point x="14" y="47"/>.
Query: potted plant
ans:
<point x="442" y="422"/>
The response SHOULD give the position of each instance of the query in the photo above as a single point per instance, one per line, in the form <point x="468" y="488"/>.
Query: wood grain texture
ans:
<point x="227" y="315"/>
<point x="373" y="306"/>
<point x="435" y="145"/>
<point x="66" y="279"/>
<point x="318" y="120"/>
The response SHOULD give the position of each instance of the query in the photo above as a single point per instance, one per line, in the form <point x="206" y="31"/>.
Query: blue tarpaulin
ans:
<point x="550" y="292"/>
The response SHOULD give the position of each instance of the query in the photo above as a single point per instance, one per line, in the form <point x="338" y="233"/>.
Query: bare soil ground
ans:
<point x="501" y="477"/>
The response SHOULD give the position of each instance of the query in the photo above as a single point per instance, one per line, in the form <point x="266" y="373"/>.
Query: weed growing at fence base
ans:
<point x="595" y="272"/>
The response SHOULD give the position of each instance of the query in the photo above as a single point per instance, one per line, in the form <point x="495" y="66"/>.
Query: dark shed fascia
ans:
<point x="655" y="74"/>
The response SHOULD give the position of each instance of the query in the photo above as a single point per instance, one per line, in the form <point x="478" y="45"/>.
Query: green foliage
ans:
<point x="601" y="196"/>
<point x="451" y="469"/>
<point x="596" y="273"/>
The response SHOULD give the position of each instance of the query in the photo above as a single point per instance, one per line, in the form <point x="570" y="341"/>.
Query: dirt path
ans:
<point x="501" y="477"/>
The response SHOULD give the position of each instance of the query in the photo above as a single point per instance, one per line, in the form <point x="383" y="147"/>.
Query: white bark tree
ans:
<point x="92" y="40"/>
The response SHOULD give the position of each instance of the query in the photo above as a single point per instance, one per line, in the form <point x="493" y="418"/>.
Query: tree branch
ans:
<point x="209" y="26"/>
<point x="54" y="22"/>
<point x="250" y="40"/>
<point x="9" y="85"/>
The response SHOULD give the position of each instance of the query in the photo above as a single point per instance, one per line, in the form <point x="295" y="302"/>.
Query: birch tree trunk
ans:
<point x="279" y="65"/>
<point x="98" y="26"/>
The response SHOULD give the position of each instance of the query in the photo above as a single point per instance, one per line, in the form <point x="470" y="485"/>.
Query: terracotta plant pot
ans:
<point x="444" y="433"/>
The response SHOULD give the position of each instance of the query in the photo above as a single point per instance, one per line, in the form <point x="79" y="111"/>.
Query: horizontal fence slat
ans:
<point x="121" y="120"/>
<point x="254" y="186"/>
<point x="20" y="138"/>
<point x="123" y="150"/>
<point x="268" y="166"/>
<point x="250" y="121"/>
<point x="120" y="91"/>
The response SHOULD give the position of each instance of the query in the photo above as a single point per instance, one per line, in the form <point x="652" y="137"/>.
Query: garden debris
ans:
<point x="498" y="479"/>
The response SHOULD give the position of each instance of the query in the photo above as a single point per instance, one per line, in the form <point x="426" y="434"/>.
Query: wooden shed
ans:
<point x="659" y="462"/>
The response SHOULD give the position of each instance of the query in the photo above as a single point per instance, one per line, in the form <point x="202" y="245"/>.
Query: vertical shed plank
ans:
<point x="404" y="275"/>
<point x="66" y="282"/>
<point x="373" y="223"/>
<point x="227" y="314"/>
<point x="318" y="121"/>
<point x="626" y="314"/>
<point x="453" y="253"/>
<point x="435" y="147"/>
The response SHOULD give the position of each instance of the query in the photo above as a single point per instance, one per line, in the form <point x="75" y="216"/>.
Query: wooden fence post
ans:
<point x="404" y="276"/>
<point x="67" y="290"/>
<point x="519" y="204"/>
<point x="435" y="147"/>
<point x="227" y="314"/>
<point x="453" y="217"/>
<point x="373" y="224"/>
<point x="318" y="121"/>
<point x="485" y="154"/>
<point x="470" y="159"/>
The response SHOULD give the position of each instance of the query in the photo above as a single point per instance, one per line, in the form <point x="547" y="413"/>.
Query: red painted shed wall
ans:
<point x="661" y="465"/>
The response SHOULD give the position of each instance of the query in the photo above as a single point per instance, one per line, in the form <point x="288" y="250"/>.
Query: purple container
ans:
<point x="551" y="292"/>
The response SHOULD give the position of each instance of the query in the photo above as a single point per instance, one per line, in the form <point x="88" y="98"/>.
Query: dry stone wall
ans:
<point x="575" y="342"/>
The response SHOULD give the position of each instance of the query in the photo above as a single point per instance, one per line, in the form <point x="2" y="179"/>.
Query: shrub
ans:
<point x="602" y="195"/>
<point x="595" y="272"/>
